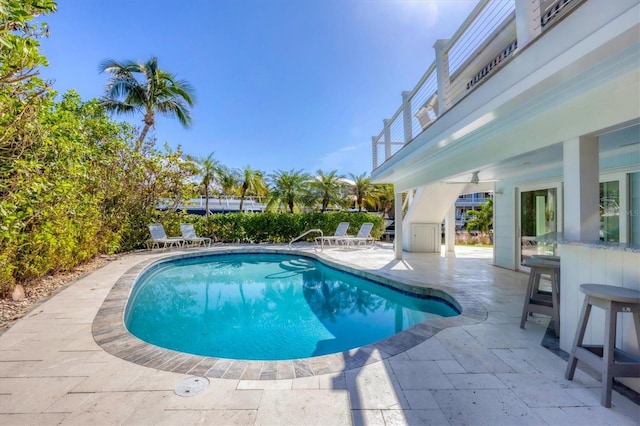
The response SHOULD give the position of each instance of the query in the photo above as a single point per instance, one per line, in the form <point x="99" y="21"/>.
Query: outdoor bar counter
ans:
<point x="615" y="264"/>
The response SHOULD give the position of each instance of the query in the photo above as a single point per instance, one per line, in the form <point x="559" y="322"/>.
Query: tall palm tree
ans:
<point x="209" y="169"/>
<point x="288" y="188"/>
<point x="253" y="181"/>
<point x="155" y="91"/>
<point x="328" y="187"/>
<point x="361" y="189"/>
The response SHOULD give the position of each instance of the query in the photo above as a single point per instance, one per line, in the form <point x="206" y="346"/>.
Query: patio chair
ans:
<point x="189" y="236"/>
<point x="363" y="238"/>
<point x="158" y="236"/>
<point x="340" y="232"/>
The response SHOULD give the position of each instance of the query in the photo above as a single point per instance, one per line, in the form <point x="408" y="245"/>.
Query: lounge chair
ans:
<point x="363" y="238"/>
<point x="340" y="232"/>
<point x="158" y="236"/>
<point x="189" y="236"/>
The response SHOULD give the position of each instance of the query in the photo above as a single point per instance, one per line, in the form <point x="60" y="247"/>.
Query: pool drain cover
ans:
<point x="192" y="386"/>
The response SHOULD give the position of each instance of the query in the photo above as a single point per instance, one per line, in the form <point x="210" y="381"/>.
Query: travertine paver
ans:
<point x="420" y="375"/>
<point x="485" y="407"/>
<point x="537" y="390"/>
<point x="372" y="387"/>
<point x="304" y="407"/>
<point x="482" y="369"/>
<point x="420" y="399"/>
<point x="475" y="381"/>
<point x="414" y="417"/>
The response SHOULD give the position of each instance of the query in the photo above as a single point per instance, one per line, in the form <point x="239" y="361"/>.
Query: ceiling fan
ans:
<point x="474" y="179"/>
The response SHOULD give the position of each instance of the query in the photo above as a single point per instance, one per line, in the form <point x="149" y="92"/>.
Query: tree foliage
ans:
<point x="74" y="183"/>
<point x="328" y="188"/>
<point x="362" y="189"/>
<point x="209" y="170"/>
<point x="482" y="219"/>
<point x="137" y="87"/>
<point x="288" y="189"/>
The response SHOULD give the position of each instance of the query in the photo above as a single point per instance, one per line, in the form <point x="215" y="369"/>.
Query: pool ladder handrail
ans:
<point x="307" y="232"/>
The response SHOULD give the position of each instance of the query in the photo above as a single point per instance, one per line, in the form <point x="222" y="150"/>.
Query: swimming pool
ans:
<point x="259" y="306"/>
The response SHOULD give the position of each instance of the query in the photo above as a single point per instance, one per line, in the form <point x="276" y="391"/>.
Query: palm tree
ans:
<point x="229" y="181"/>
<point x="209" y="169"/>
<point x="481" y="219"/>
<point x="361" y="188"/>
<point x="328" y="188"/>
<point x="253" y="181"/>
<point x="288" y="188"/>
<point x="385" y="197"/>
<point x="156" y="91"/>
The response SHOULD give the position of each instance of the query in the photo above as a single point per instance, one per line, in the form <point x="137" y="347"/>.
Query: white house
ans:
<point x="539" y="102"/>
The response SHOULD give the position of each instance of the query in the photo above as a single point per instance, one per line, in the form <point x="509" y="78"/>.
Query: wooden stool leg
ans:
<point x="636" y="323"/>
<point x="527" y="298"/>
<point x="555" y="299"/>
<point x="607" y="355"/>
<point x="582" y="327"/>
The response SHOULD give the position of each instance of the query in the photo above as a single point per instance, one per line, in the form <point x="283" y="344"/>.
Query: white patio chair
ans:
<point x="340" y="232"/>
<point x="363" y="238"/>
<point x="190" y="237"/>
<point x="158" y="237"/>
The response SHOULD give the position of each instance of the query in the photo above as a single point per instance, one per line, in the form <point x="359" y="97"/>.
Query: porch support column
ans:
<point x="398" y="239"/>
<point x="450" y="230"/>
<point x="581" y="189"/>
<point x="528" y="25"/>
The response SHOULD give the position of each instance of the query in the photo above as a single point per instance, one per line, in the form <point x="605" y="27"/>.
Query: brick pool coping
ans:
<point x="111" y="334"/>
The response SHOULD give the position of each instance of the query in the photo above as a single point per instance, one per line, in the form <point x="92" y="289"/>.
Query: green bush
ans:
<point x="271" y="227"/>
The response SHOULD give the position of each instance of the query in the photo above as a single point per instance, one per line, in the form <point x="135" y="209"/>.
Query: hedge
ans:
<point x="271" y="227"/>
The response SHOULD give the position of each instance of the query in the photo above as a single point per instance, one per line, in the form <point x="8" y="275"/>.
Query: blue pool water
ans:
<point x="267" y="307"/>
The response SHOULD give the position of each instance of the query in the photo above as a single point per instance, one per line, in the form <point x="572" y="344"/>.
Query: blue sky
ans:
<point x="280" y="84"/>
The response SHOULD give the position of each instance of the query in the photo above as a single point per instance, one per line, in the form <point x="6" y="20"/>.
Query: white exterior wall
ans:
<point x="504" y="227"/>
<point x="581" y="264"/>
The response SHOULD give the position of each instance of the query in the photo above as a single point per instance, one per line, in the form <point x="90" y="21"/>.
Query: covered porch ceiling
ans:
<point x="622" y="141"/>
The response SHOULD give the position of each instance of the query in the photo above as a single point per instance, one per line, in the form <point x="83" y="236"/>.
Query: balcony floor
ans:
<point x="492" y="372"/>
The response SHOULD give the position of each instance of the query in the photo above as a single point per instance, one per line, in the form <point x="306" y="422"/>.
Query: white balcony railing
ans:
<point x="494" y="32"/>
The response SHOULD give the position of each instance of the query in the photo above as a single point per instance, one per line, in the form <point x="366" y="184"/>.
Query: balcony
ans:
<point x="495" y="32"/>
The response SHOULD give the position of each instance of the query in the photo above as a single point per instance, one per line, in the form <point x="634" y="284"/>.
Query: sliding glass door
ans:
<point x="538" y="218"/>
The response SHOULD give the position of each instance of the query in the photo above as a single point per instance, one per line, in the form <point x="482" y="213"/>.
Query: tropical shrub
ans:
<point x="273" y="227"/>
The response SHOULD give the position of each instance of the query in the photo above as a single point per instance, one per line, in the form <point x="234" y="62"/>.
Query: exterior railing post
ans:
<point x="442" y="75"/>
<point x="387" y="139"/>
<point x="374" y="143"/>
<point x="528" y="25"/>
<point x="406" y="116"/>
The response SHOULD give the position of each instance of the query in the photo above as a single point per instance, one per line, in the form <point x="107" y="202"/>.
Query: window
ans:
<point x="634" y="208"/>
<point x="610" y="211"/>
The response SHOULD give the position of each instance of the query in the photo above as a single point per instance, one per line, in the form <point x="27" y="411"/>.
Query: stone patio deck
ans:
<point x="484" y="371"/>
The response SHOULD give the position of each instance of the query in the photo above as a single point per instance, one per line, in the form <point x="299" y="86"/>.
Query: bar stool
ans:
<point x="612" y="362"/>
<point x="541" y="302"/>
